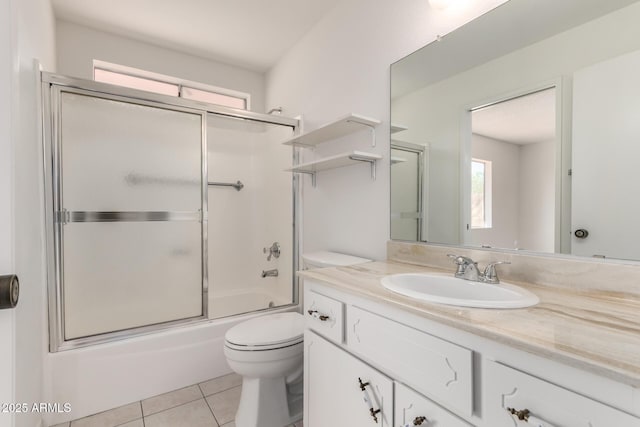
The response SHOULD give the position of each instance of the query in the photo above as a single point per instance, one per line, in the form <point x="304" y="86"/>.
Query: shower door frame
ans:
<point x="52" y="85"/>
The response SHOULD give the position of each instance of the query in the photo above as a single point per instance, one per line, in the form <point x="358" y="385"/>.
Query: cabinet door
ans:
<point x="333" y="396"/>
<point x="413" y="409"/>
<point x="546" y="404"/>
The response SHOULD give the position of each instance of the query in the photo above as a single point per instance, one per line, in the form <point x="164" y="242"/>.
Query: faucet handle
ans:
<point x="490" y="274"/>
<point x="462" y="262"/>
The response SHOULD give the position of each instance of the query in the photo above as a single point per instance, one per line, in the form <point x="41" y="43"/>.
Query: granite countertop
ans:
<point x="597" y="331"/>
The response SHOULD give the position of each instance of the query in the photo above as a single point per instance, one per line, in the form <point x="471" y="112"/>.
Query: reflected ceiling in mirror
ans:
<point x="519" y="130"/>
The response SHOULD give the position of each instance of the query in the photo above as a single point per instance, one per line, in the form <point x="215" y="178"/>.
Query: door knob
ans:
<point x="9" y="291"/>
<point x="581" y="233"/>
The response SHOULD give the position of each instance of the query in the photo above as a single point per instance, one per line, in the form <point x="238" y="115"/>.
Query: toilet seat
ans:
<point x="270" y="332"/>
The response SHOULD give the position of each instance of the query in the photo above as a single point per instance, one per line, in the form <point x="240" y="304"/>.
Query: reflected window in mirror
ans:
<point x="480" y="193"/>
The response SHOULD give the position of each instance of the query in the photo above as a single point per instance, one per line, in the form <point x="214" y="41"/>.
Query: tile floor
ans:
<point x="212" y="403"/>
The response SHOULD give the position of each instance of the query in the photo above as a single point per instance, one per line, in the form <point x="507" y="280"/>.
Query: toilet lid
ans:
<point x="281" y="328"/>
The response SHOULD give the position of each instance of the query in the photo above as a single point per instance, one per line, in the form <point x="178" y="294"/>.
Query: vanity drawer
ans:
<point x="325" y="316"/>
<point x="412" y="409"/>
<point x="440" y="370"/>
<point x="554" y="406"/>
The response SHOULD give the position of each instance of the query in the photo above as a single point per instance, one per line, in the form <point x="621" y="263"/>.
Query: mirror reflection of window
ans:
<point x="480" y="193"/>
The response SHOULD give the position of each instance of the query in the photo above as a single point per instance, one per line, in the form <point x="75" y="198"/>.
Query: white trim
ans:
<point x="136" y="72"/>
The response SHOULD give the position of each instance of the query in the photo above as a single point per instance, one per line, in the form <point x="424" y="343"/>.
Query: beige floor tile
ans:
<point x="62" y="425"/>
<point x="219" y="384"/>
<point x="111" y="418"/>
<point x="225" y="404"/>
<point x="231" y="424"/>
<point x="135" y="423"/>
<point x="193" y="414"/>
<point x="171" y="400"/>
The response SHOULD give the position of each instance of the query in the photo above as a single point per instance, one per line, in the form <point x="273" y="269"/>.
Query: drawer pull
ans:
<point x="315" y="313"/>
<point x="525" y="415"/>
<point x="363" y="386"/>
<point x="374" y="413"/>
<point x="367" y="400"/>
<point x="522" y="415"/>
<point x="419" y="420"/>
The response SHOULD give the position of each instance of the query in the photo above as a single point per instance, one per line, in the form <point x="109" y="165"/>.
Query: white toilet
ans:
<point x="267" y="351"/>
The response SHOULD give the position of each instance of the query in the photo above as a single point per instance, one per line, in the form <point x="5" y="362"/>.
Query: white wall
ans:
<point x="342" y="66"/>
<point x="78" y="46"/>
<point x="35" y="37"/>
<point x="536" y="202"/>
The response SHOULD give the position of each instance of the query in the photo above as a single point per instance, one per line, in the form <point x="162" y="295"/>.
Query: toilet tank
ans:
<point x="323" y="259"/>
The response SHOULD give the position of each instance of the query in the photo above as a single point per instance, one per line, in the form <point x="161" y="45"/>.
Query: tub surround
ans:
<point x="577" y="323"/>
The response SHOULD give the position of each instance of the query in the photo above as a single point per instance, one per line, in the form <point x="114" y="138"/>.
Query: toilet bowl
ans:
<point x="267" y="352"/>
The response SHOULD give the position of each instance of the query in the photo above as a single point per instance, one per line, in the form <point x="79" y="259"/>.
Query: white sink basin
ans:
<point x="446" y="289"/>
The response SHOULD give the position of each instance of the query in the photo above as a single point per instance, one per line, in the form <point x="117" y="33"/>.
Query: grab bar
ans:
<point x="237" y="185"/>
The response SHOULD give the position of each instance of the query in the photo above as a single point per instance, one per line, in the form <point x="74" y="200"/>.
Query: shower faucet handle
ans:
<point x="273" y="250"/>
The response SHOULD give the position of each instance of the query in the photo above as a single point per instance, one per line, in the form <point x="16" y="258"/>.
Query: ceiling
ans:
<point x="253" y="34"/>
<point x="524" y="120"/>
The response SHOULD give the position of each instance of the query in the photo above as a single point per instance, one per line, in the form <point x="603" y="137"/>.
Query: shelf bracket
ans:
<point x="372" y="129"/>
<point x="370" y="161"/>
<point x="313" y="177"/>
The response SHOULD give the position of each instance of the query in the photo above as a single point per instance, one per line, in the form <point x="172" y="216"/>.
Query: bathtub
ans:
<point x="100" y="377"/>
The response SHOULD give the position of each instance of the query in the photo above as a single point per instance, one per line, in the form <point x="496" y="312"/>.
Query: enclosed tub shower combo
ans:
<point x="163" y="215"/>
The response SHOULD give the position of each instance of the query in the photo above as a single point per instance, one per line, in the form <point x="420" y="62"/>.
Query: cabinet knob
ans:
<point x="522" y="414"/>
<point x="322" y="317"/>
<point x="419" y="420"/>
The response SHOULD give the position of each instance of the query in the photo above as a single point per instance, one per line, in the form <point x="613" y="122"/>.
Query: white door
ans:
<point x="7" y="341"/>
<point x="606" y="148"/>
<point x="333" y="396"/>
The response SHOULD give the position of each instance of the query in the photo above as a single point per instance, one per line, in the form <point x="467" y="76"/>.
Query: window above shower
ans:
<point x="135" y="78"/>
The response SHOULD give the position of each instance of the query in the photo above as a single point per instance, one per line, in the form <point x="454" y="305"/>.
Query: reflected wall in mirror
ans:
<point x="530" y="116"/>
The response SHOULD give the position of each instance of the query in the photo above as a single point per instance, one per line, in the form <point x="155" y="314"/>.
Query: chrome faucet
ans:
<point x="270" y="273"/>
<point x="467" y="269"/>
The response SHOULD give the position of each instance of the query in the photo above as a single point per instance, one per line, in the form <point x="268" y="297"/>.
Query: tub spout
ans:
<point x="270" y="273"/>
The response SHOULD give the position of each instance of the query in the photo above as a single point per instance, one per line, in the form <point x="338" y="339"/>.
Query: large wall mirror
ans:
<point x="521" y="130"/>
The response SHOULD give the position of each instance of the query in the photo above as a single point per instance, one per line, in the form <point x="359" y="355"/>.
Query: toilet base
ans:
<point x="266" y="402"/>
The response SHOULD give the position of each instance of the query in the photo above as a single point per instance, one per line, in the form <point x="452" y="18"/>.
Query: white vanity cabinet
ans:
<point x="340" y="390"/>
<point x="543" y="403"/>
<point x="422" y="373"/>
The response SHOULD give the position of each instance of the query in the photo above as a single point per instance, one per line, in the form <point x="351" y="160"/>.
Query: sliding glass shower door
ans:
<point x="149" y="200"/>
<point x="129" y="205"/>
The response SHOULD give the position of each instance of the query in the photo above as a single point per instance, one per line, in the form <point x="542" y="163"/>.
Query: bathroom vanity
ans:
<point x="373" y="357"/>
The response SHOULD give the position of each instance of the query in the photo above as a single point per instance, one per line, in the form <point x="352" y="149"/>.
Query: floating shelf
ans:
<point x="336" y="129"/>
<point x="397" y="128"/>
<point x="337" y="161"/>
<point x="396" y="160"/>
